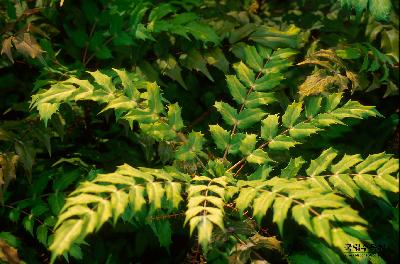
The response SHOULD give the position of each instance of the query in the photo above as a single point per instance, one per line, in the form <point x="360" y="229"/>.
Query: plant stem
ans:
<point x="87" y="44"/>
<point x="233" y="131"/>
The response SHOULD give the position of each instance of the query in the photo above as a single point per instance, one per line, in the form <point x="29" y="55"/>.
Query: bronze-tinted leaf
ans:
<point x="6" y="48"/>
<point x="355" y="82"/>
<point x="8" y="162"/>
<point x="316" y="84"/>
<point x="8" y="254"/>
<point x="27" y="45"/>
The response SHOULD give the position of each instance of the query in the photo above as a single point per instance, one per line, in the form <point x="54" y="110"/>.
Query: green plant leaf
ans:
<point x="246" y="196"/>
<point x="170" y="67"/>
<point x="28" y="224"/>
<point x="387" y="183"/>
<point x="344" y="215"/>
<point x="312" y="106"/>
<point x="174" y="117"/>
<point x="236" y="88"/>
<point x="328" y="255"/>
<point x="366" y="183"/>
<point x="252" y="58"/>
<point x="56" y="201"/>
<point x="136" y="198"/>
<point x="155" y="193"/>
<point x="322" y="228"/>
<point x="274" y="38"/>
<point x="350" y="53"/>
<point x="293" y="167"/>
<point x="248" y="144"/>
<point x="229" y="114"/>
<point x="332" y="101"/>
<point x="249" y="117"/>
<point x="380" y="9"/>
<point x="235" y="143"/>
<point x="345" y="163"/>
<point x="217" y="58"/>
<point x="119" y="201"/>
<point x="173" y="193"/>
<point x="256" y="99"/>
<point x="319" y="182"/>
<point x="339" y="237"/>
<point x="261" y="204"/>
<point x="261" y="173"/>
<point x="302" y="216"/>
<point x="120" y="103"/>
<point x="161" y="11"/>
<point x="154" y="97"/>
<point x="244" y="74"/>
<point x="302" y="258"/>
<point x="205" y="228"/>
<point x="104" y="81"/>
<point x="291" y="114"/>
<point x="221" y="136"/>
<point x="269" y="127"/>
<point x="46" y="110"/>
<point x="303" y="130"/>
<point x="268" y="82"/>
<point x="193" y="60"/>
<point x="41" y="234"/>
<point x="281" y="208"/>
<point x="389" y="167"/>
<point x="162" y="229"/>
<point x="372" y="163"/>
<point x="70" y="231"/>
<point x="191" y="147"/>
<point x="346" y="185"/>
<point x="258" y="156"/>
<point x="282" y="142"/>
<point x="203" y="32"/>
<point x="322" y="162"/>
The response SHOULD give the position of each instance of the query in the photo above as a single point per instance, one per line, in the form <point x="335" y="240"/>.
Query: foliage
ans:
<point x="192" y="131"/>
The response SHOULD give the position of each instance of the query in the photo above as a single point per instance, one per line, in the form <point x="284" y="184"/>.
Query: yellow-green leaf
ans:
<point x="229" y="114"/>
<point x="174" y="117"/>
<point x="291" y="114"/>
<point x="321" y="163"/>
<point x="236" y="88"/>
<point x="281" y="208"/>
<point x="258" y="156"/>
<point x="248" y="144"/>
<point x="261" y="204"/>
<point x="302" y="216"/>
<point x="221" y="136"/>
<point x="282" y="142"/>
<point x="244" y="74"/>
